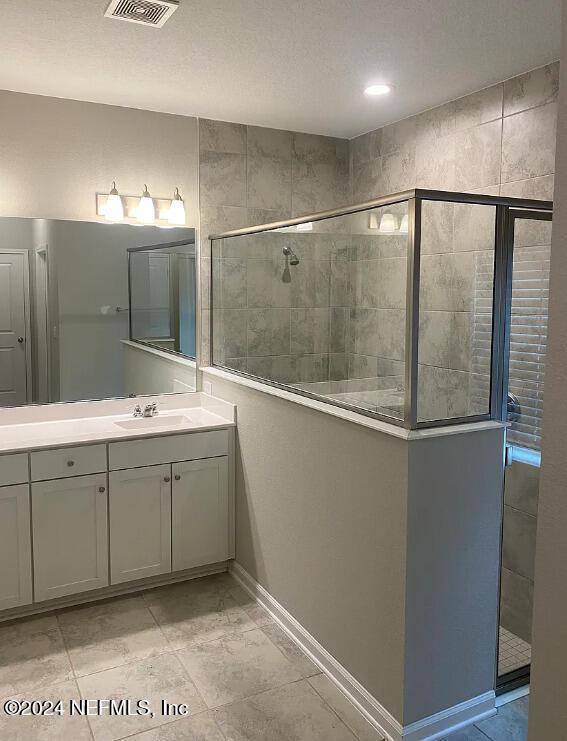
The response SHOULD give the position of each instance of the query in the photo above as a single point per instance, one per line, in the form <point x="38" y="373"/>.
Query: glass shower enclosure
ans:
<point x="420" y="309"/>
<point x="398" y="308"/>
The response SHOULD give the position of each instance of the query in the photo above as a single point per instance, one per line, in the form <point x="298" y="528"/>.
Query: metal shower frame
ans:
<point x="507" y="210"/>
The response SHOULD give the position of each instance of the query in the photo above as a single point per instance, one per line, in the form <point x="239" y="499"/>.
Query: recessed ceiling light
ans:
<point x="377" y="89"/>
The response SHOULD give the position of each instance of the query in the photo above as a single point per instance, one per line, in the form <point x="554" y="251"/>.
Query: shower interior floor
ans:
<point x="513" y="652"/>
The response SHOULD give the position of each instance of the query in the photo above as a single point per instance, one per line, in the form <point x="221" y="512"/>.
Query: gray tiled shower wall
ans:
<point x="341" y="315"/>
<point x="498" y="141"/>
<point x="251" y="175"/>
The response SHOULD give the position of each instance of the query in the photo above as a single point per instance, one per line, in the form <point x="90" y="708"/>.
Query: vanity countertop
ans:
<point x="58" y="425"/>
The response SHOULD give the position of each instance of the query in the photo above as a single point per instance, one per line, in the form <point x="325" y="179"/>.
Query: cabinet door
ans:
<point x="15" y="547"/>
<point x="140" y="523"/>
<point x="199" y="512"/>
<point x="70" y="536"/>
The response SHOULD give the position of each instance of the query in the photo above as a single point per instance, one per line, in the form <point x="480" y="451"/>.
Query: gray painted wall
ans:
<point x="453" y="540"/>
<point x="325" y="500"/>
<point x="548" y="709"/>
<point x="397" y="544"/>
<point x="56" y="154"/>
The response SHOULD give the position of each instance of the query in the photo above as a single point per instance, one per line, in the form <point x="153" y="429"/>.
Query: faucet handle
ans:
<point x="137" y="411"/>
<point x="150" y="410"/>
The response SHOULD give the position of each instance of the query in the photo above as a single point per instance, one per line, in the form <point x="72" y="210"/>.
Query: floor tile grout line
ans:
<point x="481" y="731"/>
<point x="170" y="722"/>
<point x="332" y="709"/>
<point x="75" y="678"/>
<point x="65" y="646"/>
<point x="213" y="708"/>
<point x="281" y="651"/>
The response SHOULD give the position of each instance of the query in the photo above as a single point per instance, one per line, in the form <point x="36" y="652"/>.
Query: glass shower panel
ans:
<point x="455" y="310"/>
<point x="318" y="306"/>
<point x="376" y="329"/>
<point x="528" y="345"/>
<point x="150" y="295"/>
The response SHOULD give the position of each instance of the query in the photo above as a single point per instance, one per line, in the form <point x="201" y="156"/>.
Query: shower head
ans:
<point x="293" y="258"/>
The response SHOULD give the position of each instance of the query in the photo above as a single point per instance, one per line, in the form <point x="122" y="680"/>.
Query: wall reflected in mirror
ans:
<point x="65" y="318"/>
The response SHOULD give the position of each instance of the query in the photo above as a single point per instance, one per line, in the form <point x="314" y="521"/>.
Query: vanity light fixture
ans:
<point x="113" y="209"/>
<point x="374" y="90"/>
<point x="146" y="212"/>
<point x="388" y="224"/>
<point x="404" y="224"/>
<point x="372" y="220"/>
<point x="176" y="216"/>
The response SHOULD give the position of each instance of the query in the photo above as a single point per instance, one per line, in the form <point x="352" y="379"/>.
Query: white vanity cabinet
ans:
<point x="70" y="536"/>
<point x="15" y="546"/>
<point x="140" y="522"/>
<point x="174" y="514"/>
<point x="199" y="510"/>
<point x="85" y="517"/>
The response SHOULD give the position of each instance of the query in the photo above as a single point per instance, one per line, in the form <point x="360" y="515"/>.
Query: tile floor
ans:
<point x="509" y="724"/>
<point x="513" y="652"/>
<point x="204" y="643"/>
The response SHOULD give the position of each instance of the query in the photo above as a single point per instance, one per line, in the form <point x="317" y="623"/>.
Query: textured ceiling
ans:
<point x="284" y="63"/>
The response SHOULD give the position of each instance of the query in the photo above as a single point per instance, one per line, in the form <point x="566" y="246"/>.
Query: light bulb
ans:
<point x="404" y="224"/>
<point x="113" y="210"/>
<point x="388" y="224"/>
<point x="176" y="214"/>
<point x="146" y="212"/>
<point x="377" y="89"/>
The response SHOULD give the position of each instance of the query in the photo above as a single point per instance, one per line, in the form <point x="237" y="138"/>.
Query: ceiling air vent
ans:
<point x="149" y="12"/>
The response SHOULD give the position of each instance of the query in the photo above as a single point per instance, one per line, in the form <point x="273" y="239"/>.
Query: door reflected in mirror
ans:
<point x="76" y="324"/>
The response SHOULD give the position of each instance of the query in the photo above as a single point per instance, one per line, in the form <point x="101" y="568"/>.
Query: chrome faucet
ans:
<point x="150" y="410"/>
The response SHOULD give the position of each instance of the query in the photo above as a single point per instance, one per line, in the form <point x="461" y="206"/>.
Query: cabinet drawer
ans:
<point x="13" y="469"/>
<point x="167" y="449"/>
<point x="64" y="462"/>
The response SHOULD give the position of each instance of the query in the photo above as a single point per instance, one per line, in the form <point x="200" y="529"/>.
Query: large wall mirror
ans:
<point x="92" y="310"/>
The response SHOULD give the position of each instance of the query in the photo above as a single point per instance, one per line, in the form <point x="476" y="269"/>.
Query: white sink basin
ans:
<point x="140" y="423"/>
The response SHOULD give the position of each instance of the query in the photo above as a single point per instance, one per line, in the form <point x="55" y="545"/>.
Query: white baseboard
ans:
<point x="434" y="727"/>
<point x="512" y="695"/>
<point x="447" y="721"/>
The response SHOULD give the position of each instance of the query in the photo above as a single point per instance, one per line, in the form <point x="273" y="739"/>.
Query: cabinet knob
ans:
<point x="70" y="463"/>
<point x="166" y="479"/>
<point x="21" y="340"/>
<point x="177" y="477"/>
<point x="102" y="489"/>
